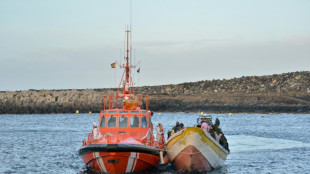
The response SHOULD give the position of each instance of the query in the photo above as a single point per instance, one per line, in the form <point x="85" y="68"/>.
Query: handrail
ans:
<point x="113" y="101"/>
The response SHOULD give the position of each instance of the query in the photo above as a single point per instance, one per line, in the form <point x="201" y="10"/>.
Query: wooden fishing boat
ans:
<point x="125" y="142"/>
<point x="195" y="150"/>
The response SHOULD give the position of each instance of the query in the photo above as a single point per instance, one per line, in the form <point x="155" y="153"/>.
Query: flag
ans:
<point x="113" y="65"/>
<point x="138" y="71"/>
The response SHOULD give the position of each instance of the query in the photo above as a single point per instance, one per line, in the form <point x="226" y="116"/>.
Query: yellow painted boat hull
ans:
<point x="194" y="150"/>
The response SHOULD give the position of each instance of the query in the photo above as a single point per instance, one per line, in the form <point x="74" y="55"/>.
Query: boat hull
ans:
<point x="193" y="150"/>
<point x="119" y="158"/>
<point x="191" y="160"/>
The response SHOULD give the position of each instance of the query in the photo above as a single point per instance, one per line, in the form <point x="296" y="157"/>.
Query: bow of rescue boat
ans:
<point x="119" y="158"/>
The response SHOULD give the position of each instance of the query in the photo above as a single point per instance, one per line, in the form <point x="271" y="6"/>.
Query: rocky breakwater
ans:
<point x="288" y="92"/>
<point x="51" y="101"/>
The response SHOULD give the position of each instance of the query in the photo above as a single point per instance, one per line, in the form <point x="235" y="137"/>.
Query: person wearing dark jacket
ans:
<point x="174" y="129"/>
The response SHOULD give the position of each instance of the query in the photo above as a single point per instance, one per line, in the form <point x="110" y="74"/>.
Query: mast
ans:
<point x="129" y="99"/>
<point x="128" y="92"/>
<point x="127" y="81"/>
<point x="127" y="68"/>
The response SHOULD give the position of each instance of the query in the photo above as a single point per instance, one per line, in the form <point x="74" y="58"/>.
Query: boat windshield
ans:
<point x="143" y="122"/>
<point x="134" y="122"/>
<point x="122" y="122"/>
<point x="112" y="122"/>
<point x="102" y="123"/>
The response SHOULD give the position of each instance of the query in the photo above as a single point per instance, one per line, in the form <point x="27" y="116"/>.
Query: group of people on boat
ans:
<point x="206" y="124"/>
<point x="215" y="131"/>
<point x="178" y="126"/>
<point x="160" y="133"/>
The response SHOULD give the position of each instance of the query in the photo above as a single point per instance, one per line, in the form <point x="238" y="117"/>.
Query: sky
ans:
<point x="56" y="44"/>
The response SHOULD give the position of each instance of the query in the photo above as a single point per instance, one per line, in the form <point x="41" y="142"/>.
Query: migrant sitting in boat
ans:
<point x="181" y="126"/>
<point x="175" y="129"/>
<point x="219" y="135"/>
<point x="204" y="125"/>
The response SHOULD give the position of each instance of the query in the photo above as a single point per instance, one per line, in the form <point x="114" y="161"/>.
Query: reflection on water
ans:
<point x="49" y="143"/>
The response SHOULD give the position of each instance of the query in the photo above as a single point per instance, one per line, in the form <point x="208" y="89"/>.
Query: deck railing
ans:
<point x="118" y="102"/>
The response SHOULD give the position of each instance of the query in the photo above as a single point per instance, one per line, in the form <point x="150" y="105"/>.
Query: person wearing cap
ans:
<point x="95" y="131"/>
<point x="160" y="136"/>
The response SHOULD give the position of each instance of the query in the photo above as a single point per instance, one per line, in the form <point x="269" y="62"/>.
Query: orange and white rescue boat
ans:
<point x="125" y="142"/>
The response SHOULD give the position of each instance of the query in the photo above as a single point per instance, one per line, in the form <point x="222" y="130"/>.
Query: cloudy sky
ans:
<point x="56" y="44"/>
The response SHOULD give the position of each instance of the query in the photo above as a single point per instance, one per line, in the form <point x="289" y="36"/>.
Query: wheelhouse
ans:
<point x="118" y="119"/>
<point x="125" y="112"/>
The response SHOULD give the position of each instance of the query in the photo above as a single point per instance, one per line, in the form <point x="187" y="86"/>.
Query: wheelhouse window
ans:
<point x="143" y="112"/>
<point x="143" y="122"/>
<point x="112" y="112"/>
<point x="112" y="122"/>
<point x="102" y="123"/>
<point x="134" y="122"/>
<point x="135" y="112"/>
<point x="123" y="112"/>
<point x="123" y="122"/>
<point x="103" y="112"/>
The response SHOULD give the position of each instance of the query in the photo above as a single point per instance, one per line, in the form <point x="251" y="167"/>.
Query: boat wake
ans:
<point x="239" y="143"/>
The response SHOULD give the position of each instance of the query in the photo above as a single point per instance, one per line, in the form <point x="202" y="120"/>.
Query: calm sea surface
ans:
<point x="259" y="143"/>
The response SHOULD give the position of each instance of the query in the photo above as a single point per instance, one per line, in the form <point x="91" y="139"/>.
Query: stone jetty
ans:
<point x="287" y="92"/>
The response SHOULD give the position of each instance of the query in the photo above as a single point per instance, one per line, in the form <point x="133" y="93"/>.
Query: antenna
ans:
<point x="130" y="33"/>
<point x="120" y="55"/>
<point x="130" y="15"/>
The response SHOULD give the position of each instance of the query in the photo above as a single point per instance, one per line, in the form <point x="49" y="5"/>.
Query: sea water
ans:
<point x="259" y="143"/>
